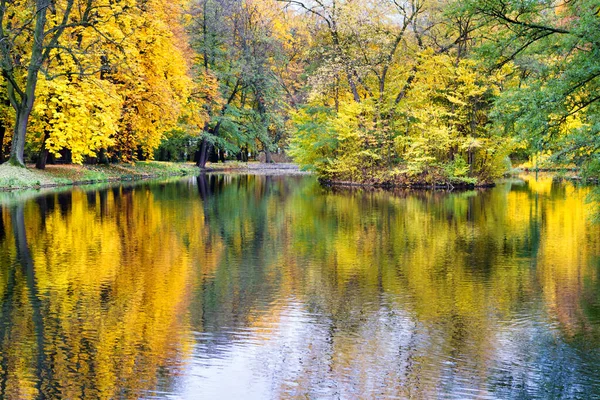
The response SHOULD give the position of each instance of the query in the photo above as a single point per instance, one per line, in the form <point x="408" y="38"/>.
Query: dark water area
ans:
<point x="267" y="287"/>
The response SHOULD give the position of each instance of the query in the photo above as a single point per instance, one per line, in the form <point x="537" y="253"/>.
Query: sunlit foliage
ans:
<point x="395" y="99"/>
<point x="415" y="92"/>
<point x="553" y="49"/>
<point x="85" y="76"/>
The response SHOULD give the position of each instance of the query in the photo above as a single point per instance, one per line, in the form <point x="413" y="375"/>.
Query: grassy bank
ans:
<point x="64" y="175"/>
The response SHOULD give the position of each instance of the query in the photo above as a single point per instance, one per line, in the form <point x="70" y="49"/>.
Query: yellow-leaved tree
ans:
<point x="66" y="117"/>
<point x="89" y="75"/>
<point x="155" y="82"/>
<point x="394" y="98"/>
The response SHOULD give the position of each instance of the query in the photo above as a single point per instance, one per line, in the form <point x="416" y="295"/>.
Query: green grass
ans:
<point x="12" y="177"/>
<point x="62" y="181"/>
<point x="94" y="176"/>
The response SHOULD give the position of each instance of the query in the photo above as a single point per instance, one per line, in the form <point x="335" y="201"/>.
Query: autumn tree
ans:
<point x="553" y="48"/>
<point x="155" y="82"/>
<point x="65" y="118"/>
<point x="394" y="98"/>
<point x="105" y="72"/>
<point x="31" y="33"/>
<point x="244" y="49"/>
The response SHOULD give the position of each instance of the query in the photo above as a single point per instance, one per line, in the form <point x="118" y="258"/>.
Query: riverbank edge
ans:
<point x="54" y="176"/>
<point x="559" y="174"/>
<point x="418" y="186"/>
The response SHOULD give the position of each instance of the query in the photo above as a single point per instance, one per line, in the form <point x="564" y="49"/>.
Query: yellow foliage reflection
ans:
<point x="298" y="290"/>
<point x="110" y="303"/>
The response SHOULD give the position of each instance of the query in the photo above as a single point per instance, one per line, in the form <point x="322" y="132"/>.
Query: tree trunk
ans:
<point x="204" y="151"/>
<point x="213" y="157"/>
<point x="66" y="156"/>
<point x="471" y="160"/>
<point x="24" y="105"/>
<point x="243" y="155"/>
<point x="2" y="133"/>
<point x="18" y="141"/>
<point x="41" y="162"/>
<point x="268" y="156"/>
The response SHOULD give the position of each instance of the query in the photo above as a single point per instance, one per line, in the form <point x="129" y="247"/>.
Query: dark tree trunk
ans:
<point x="243" y="155"/>
<point x="470" y="160"/>
<point x="204" y="151"/>
<point x="102" y="158"/>
<point x="66" y="156"/>
<point x="22" y="99"/>
<point x="2" y="134"/>
<point x="268" y="156"/>
<point x="43" y="158"/>
<point x="41" y="162"/>
<point x="213" y="157"/>
<point x="18" y="141"/>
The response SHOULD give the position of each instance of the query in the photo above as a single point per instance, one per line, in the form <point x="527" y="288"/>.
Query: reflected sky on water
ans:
<point x="234" y="286"/>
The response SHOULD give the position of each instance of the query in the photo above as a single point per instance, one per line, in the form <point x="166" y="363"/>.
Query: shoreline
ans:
<point x="256" y="168"/>
<point x="415" y="186"/>
<point x="56" y="176"/>
<point x="558" y="174"/>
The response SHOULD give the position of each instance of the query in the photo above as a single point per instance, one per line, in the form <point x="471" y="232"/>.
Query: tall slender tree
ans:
<point x="29" y="34"/>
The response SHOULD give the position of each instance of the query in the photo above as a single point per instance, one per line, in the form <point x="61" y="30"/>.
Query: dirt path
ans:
<point x="257" y="168"/>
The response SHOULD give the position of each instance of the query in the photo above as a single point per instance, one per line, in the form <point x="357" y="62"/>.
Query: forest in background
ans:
<point x="387" y="92"/>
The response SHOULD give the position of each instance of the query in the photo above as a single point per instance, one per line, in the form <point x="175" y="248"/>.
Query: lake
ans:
<point x="267" y="287"/>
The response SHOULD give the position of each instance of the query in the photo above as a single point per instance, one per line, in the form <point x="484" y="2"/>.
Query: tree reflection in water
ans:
<point x="288" y="289"/>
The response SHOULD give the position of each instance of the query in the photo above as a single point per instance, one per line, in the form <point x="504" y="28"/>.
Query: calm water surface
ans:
<point x="241" y="287"/>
